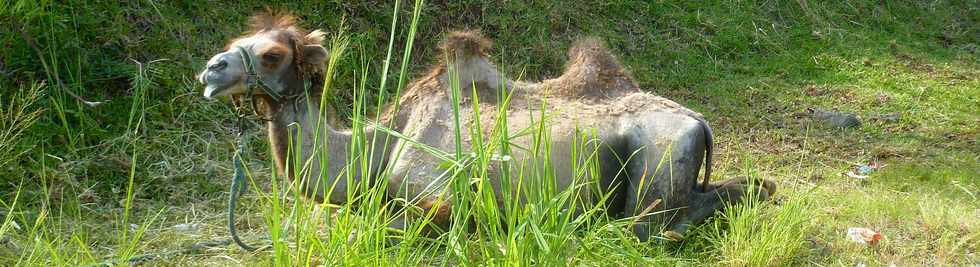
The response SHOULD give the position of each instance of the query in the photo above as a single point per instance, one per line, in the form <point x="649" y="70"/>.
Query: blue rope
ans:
<point x="239" y="185"/>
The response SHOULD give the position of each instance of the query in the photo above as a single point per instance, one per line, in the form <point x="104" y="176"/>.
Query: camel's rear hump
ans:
<point x="592" y="71"/>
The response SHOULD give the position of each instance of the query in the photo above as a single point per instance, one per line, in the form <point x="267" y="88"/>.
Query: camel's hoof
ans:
<point x="673" y="236"/>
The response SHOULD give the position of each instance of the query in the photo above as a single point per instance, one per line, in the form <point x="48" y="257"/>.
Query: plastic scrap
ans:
<point x="863" y="236"/>
<point x="856" y="176"/>
<point x="864" y="171"/>
<point x="186" y="227"/>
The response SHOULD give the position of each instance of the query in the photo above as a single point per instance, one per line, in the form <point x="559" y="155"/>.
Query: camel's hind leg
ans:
<point x="731" y="191"/>
<point x="769" y="186"/>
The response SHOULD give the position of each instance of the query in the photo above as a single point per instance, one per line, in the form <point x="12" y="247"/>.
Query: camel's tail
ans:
<point x="709" y="143"/>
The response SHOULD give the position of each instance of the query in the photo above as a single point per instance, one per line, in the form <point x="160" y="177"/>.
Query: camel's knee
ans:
<point x="437" y="209"/>
<point x="435" y="213"/>
<point x="432" y="216"/>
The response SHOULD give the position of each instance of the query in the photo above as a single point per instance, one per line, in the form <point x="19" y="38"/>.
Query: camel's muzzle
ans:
<point x="224" y="71"/>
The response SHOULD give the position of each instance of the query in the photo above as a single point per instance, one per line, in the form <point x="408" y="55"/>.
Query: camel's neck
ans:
<point x="294" y="124"/>
<point x="305" y="145"/>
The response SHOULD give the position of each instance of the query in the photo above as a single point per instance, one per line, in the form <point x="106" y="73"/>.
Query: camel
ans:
<point x="648" y="150"/>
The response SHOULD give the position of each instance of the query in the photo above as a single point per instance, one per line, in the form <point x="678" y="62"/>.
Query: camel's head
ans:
<point x="275" y="53"/>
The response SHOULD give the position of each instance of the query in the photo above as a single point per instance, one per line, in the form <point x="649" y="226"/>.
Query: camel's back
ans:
<point x="526" y="110"/>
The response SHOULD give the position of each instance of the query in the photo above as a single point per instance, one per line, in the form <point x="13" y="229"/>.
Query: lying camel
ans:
<point x="648" y="149"/>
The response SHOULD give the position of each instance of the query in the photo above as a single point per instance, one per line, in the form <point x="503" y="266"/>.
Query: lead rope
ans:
<point x="239" y="185"/>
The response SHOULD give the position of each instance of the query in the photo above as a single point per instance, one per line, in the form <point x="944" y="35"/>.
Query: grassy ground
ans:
<point x="147" y="170"/>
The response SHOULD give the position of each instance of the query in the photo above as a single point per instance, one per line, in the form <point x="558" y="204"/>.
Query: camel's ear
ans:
<point x="314" y="54"/>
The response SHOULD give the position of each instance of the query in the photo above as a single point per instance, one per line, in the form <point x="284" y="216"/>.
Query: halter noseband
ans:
<point x="252" y="80"/>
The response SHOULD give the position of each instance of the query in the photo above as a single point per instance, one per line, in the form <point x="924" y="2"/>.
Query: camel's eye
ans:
<point x="271" y="58"/>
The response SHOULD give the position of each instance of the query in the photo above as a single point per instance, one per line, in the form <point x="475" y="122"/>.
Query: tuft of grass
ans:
<point x="753" y="234"/>
<point x="19" y="113"/>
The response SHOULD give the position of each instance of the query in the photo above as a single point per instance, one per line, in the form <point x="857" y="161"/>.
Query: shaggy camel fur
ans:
<point x="648" y="149"/>
<point x="634" y="131"/>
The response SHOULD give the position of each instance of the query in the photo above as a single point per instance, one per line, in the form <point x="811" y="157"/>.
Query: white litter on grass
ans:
<point x="856" y="176"/>
<point x="186" y="227"/>
<point x="863" y="236"/>
<point x="863" y="171"/>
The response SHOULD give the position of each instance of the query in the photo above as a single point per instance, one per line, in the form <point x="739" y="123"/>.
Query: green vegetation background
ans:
<point x="752" y="67"/>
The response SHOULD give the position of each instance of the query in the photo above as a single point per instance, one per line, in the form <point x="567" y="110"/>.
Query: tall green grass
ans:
<point x="18" y="114"/>
<point x="70" y="203"/>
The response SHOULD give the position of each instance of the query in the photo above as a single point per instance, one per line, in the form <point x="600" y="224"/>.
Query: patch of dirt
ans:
<point x="815" y="90"/>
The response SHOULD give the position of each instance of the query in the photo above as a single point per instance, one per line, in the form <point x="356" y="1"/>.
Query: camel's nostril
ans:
<point x="220" y="65"/>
